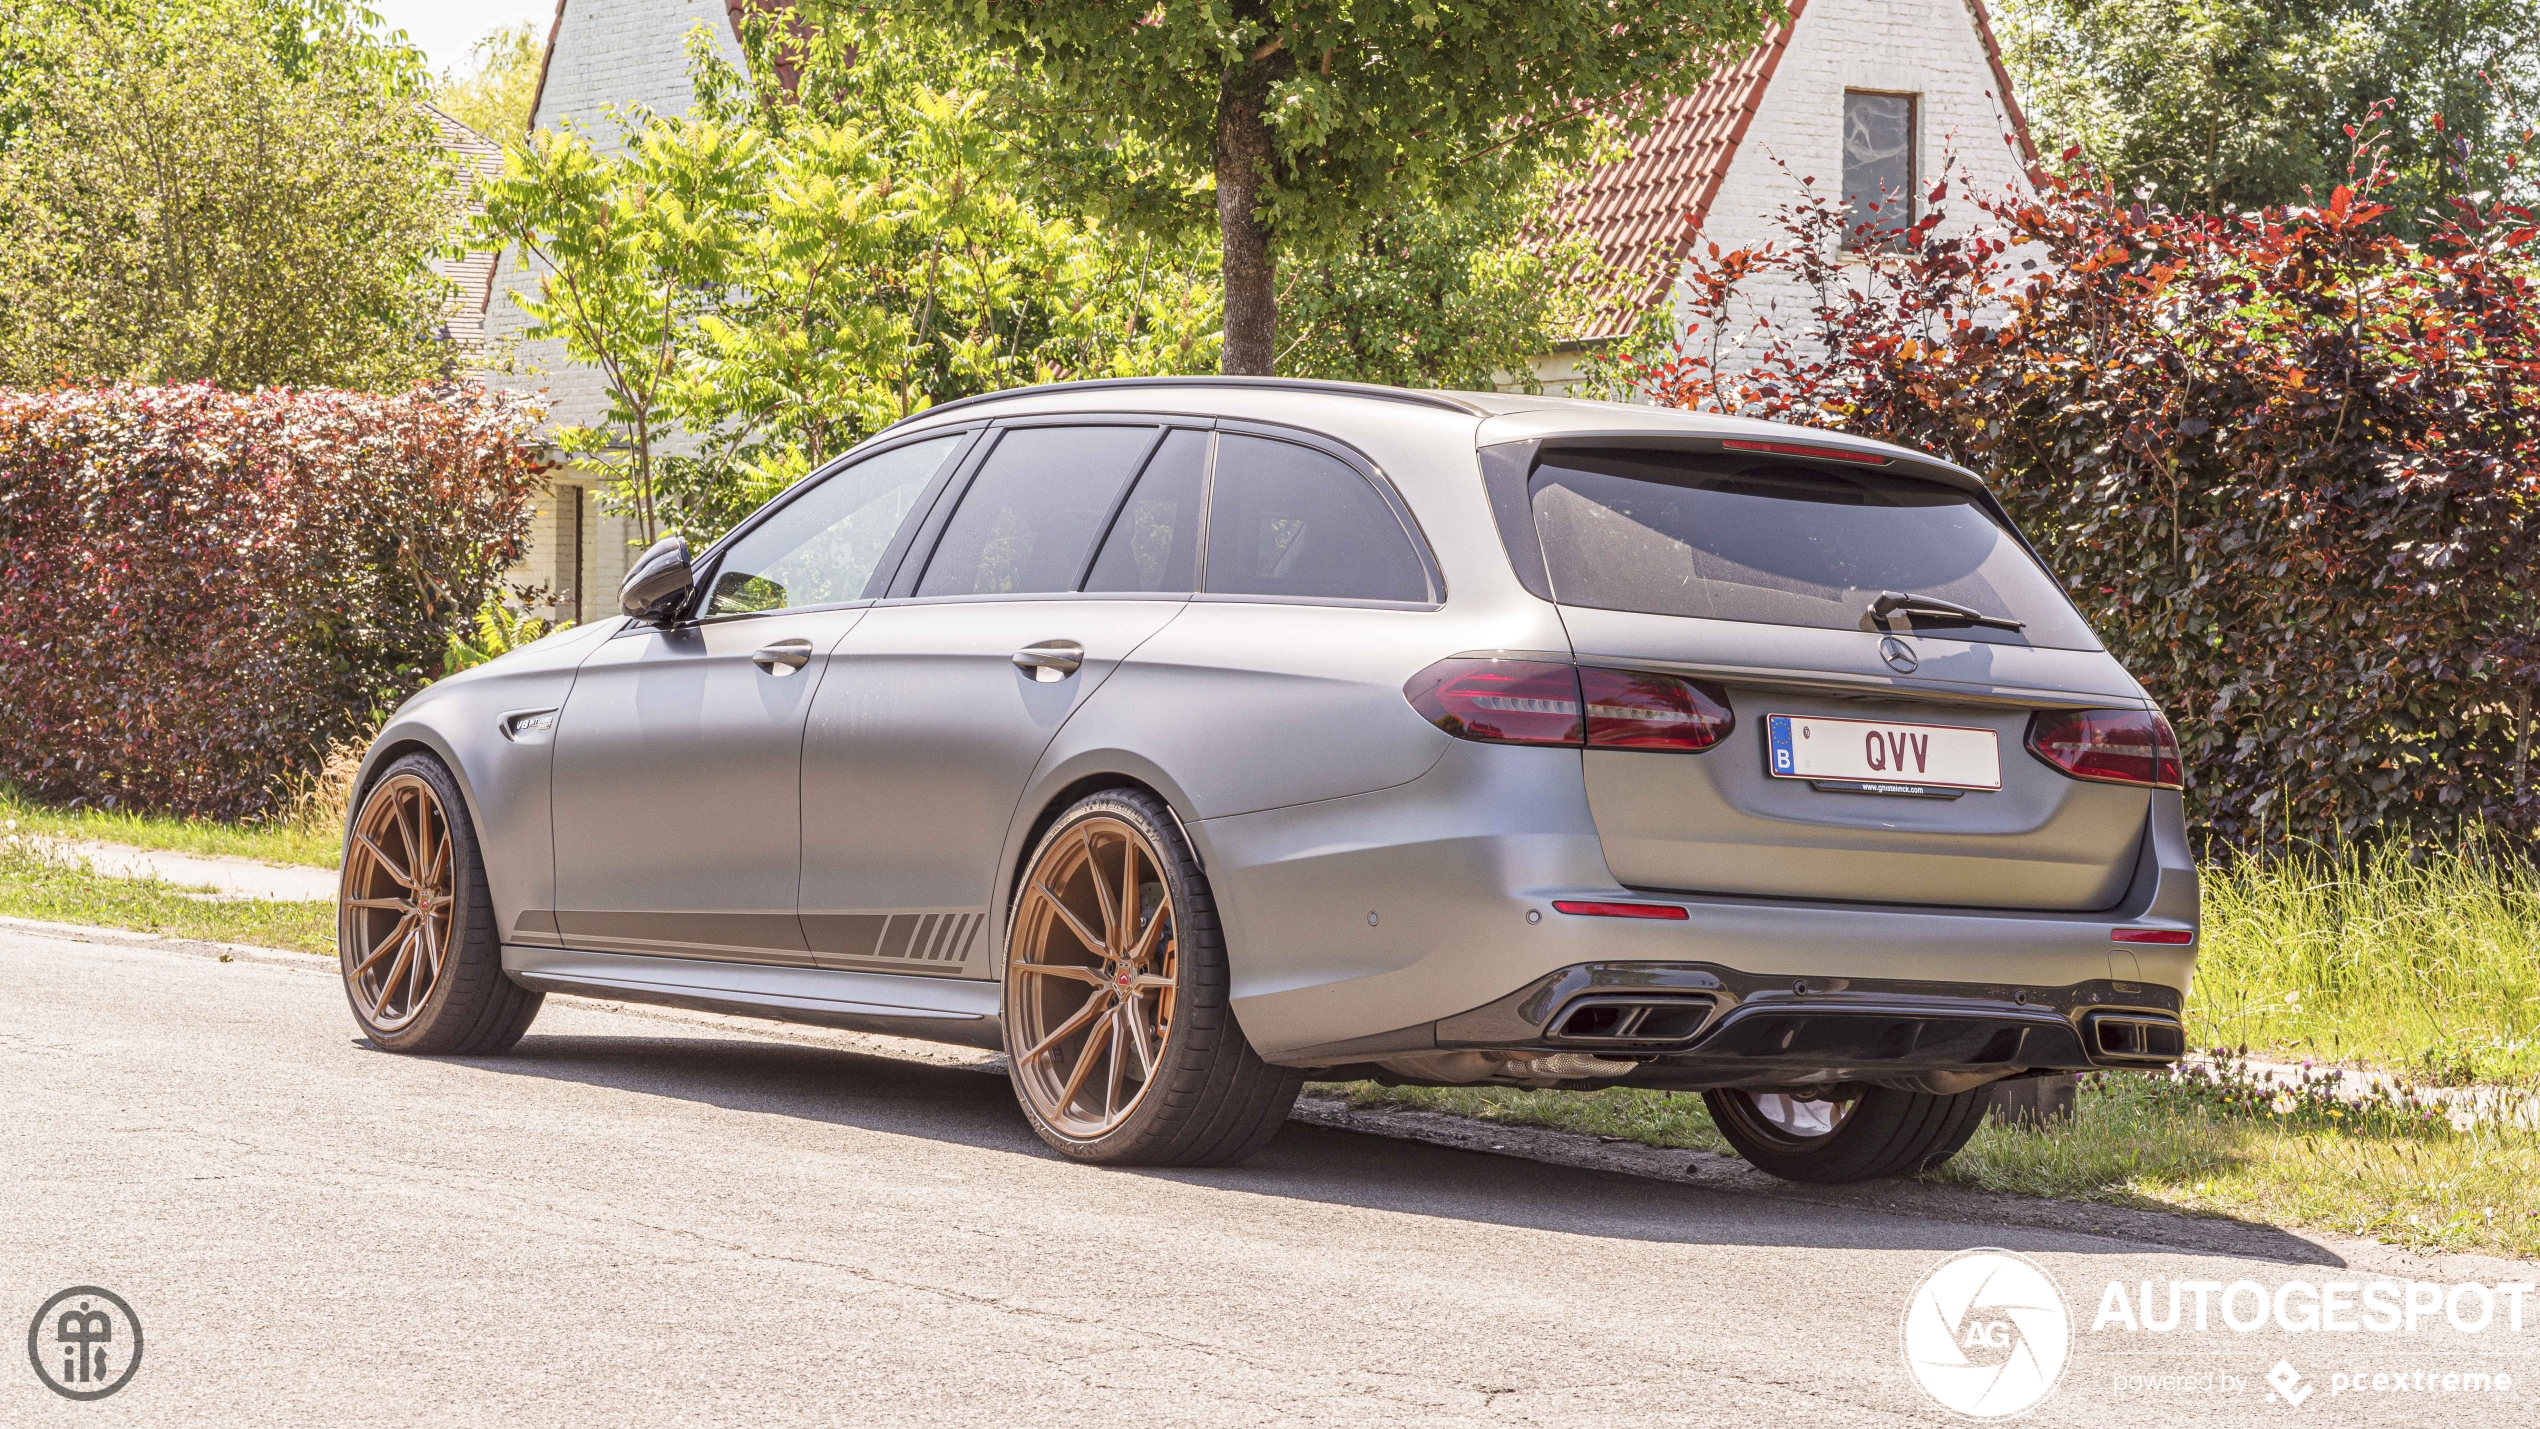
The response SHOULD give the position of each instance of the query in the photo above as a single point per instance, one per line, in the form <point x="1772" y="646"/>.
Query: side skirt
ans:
<point x="933" y="1009"/>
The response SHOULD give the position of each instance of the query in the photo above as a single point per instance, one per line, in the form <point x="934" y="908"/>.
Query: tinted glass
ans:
<point x="1783" y="544"/>
<point x="1032" y="513"/>
<point x="1154" y="545"/>
<point x="1289" y="521"/>
<point x="822" y="546"/>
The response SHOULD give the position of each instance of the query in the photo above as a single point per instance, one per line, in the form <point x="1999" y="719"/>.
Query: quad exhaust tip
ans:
<point x="2134" y="1037"/>
<point x="1629" y="1020"/>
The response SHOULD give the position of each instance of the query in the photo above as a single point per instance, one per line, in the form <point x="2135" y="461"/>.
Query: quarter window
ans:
<point x="1032" y="513"/>
<point x="1286" y="520"/>
<point x="1878" y="168"/>
<point x="820" y="548"/>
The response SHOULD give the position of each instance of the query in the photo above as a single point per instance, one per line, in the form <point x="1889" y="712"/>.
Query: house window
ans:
<point x="1878" y="168"/>
<point x="568" y="588"/>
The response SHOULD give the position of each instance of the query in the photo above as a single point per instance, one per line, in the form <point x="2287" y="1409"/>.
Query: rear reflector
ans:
<point x="1499" y="701"/>
<point x="2108" y="746"/>
<point x="1641" y="709"/>
<point x="1808" y="449"/>
<point x="2152" y="935"/>
<point x="1622" y="910"/>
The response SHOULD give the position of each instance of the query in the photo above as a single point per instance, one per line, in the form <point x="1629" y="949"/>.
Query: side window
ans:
<point x="1878" y="168"/>
<point x="1154" y="545"/>
<point x="1031" y="515"/>
<point x="1286" y="520"/>
<point x="822" y="547"/>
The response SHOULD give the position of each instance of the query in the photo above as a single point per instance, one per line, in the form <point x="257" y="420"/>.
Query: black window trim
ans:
<point x="709" y="564"/>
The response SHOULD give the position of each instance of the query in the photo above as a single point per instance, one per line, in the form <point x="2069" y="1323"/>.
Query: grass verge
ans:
<point x="314" y="841"/>
<point x="38" y="884"/>
<point x="2139" y="1141"/>
<point x="2430" y="967"/>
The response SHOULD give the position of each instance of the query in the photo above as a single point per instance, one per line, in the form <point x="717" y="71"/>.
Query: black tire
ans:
<point x="472" y="1007"/>
<point x="1885" y="1133"/>
<point x="1210" y="1100"/>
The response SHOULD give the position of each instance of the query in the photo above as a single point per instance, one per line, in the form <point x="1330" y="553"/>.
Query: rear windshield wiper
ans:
<point x="1927" y="607"/>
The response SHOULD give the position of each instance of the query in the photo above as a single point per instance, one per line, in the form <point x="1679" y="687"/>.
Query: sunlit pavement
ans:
<point x="649" y="1218"/>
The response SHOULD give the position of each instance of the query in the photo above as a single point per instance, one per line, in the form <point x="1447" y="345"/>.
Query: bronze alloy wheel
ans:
<point x="400" y="908"/>
<point x="1093" y="970"/>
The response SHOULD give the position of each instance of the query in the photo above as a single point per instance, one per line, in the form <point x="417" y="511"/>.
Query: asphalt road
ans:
<point x="656" y="1218"/>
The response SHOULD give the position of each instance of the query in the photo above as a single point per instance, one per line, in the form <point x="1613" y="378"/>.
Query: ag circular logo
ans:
<point x="1987" y="1334"/>
<point x="85" y="1342"/>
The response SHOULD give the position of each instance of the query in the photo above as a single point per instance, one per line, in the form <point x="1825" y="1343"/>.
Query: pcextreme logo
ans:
<point x="1987" y="1334"/>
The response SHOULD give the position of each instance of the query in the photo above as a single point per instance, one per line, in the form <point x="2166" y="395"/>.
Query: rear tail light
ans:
<point x="2174" y="936"/>
<point x="1639" y="709"/>
<point x="1501" y="701"/>
<point x="2108" y="746"/>
<point x="1538" y="702"/>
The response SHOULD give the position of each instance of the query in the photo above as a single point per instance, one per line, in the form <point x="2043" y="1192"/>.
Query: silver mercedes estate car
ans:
<point x="1183" y="739"/>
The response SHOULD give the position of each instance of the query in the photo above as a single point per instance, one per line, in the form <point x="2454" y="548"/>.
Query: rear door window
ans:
<point x="1029" y="520"/>
<point x="1784" y="543"/>
<point x="1286" y="520"/>
<point x="1154" y="542"/>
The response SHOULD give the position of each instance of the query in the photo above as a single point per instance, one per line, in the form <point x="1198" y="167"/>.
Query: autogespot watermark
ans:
<point x="1988" y="1334"/>
<point x="85" y="1343"/>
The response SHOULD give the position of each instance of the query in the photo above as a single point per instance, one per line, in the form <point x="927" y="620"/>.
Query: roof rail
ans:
<point x="1419" y="398"/>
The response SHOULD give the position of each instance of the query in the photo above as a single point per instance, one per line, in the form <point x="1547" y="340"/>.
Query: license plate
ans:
<point x="1871" y="753"/>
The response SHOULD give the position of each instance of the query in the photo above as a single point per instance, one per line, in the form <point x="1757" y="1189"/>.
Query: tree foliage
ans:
<point x="2283" y="460"/>
<point x="777" y="281"/>
<point x="219" y="190"/>
<point x="493" y="94"/>
<point x="201" y="591"/>
<point x="2246" y="102"/>
<point x="1308" y="118"/>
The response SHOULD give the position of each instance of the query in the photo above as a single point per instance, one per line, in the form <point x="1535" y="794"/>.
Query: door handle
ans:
<point x="783" y="657"/>
<point x="1050" y="661"/>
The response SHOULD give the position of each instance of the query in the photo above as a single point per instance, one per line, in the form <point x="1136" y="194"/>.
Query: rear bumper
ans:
<point x="1359" y="927"/>
<point x="1692" y="1025"/>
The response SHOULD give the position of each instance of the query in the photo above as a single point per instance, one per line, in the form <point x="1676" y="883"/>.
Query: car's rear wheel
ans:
<point x="1122" y="1044"/>
<point x="1844" y="1134"/>
<point x="414" y="927"/>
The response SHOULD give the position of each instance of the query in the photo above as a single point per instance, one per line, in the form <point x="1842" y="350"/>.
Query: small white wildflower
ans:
<point x="2463" y="1120"/>
<point x="2283" y="1104"/>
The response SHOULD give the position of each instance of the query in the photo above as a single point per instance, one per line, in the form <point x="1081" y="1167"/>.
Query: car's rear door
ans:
<point x="938" y="705"/>
<point x="678" y="755"/>
<point x="1874" y="758"/>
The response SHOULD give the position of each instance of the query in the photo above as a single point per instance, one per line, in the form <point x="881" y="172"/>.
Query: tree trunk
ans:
<point x="1243" y="155"/>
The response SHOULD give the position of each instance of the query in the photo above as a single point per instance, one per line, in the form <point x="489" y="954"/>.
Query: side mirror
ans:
<point x="659" y="582"/>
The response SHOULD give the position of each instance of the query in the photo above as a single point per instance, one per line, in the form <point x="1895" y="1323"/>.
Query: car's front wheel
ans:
<point x="1122" y="1044"/>
<point x="1844" y="1133"/>
<point x="423" y="965"/>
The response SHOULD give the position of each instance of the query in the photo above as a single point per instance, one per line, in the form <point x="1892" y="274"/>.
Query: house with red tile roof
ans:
<point x="1863" y="97"/>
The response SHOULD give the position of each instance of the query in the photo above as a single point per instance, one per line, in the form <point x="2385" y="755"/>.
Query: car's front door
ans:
<point x="678" y="766"/>
<point x="939" y="704"/>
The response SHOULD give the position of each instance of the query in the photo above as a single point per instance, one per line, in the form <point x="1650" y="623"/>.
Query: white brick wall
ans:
<point x="1928" y="48"/>
<point x="608" y="54"/>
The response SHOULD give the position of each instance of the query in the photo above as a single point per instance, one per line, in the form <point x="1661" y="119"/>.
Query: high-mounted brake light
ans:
<point x="2109" y="746"/>
<point x="1807" y="449"/>
<point x="2151" y="935"/>
<point x="1539" y="702"/>
<point x="1669" y="911"/>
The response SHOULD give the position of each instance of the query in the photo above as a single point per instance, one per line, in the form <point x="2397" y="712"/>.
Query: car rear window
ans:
<point x="1783" y="543"/>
